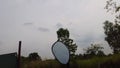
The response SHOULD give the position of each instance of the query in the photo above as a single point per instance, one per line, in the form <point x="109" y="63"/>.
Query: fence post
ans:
<point x="19" y="54"/>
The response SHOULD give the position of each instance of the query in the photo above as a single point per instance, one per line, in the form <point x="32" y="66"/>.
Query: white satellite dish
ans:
<point x="61" y="52"/>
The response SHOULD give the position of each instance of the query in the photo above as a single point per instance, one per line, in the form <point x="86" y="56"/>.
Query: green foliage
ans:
<point x="112" y="29"/>
<point x="41" y="64"/>
<point x="62" y="33"/>
<point x="34" y="56"/>
<point x="100" y="62"/>
<point x="63" y="36"/>
<point x="94" y="49"/>
<point x="112" y="32"/>
<point x="112" y="61"/>
<point x="112" y="5"/>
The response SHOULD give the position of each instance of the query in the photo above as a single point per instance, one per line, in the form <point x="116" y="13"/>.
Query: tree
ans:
<point x="113" y="6"/>
<point x="112" y="29"/>
<point x="112" y="32"/>
<point x="63" y="36"/>
<point x="94" y="49"/>
<point x="34" y="56"/>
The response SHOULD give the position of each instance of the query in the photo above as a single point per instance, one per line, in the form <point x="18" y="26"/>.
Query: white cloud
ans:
<point x="43" y="29"/>
<point x="59" y="25"/>
<point x="83" y="18"/>
<point x="28" y="23"/>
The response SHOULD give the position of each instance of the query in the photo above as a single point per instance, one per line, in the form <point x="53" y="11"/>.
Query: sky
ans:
<point x="35" y="23"/>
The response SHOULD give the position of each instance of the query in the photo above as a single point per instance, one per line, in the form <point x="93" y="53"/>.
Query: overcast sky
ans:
<point x="35" y="23"/>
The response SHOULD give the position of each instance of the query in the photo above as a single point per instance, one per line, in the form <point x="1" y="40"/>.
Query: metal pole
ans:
<point x="19" y="54"/>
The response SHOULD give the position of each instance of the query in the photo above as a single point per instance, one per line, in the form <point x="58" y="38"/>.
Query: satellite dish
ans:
<point x="61" y="52"/>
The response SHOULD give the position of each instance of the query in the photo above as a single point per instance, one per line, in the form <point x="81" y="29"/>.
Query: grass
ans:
<point x="95" y="62"/>
<point x="41" y="64"/>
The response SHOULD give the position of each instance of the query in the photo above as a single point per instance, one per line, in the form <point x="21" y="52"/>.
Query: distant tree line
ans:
<point x="32" y="57"/>
<point x="95" y="50"/>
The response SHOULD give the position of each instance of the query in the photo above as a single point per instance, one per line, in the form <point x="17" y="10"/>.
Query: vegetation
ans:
<point x="94" y="49"/>
<point x="109" y="61"/>
<point x="112" y="29"/>
<point x="34" y="56"/>
<point x="112" y="32"/>
<point x="63" y="36"/>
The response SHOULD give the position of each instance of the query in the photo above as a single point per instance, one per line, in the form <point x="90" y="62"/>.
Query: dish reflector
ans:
<point x="61" y="52"/>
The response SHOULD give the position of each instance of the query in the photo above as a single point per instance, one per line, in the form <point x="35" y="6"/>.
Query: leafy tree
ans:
<point x="112" y="29"/>
<point x="94" y="49"/>
<point x="112" y="32"/>
<point x="63" y="36"/>
<point x="100" y="53"/>
<point x="113" y="6"/>
<point x="34" y="56"/>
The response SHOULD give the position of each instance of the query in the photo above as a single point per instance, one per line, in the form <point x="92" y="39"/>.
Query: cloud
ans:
<point x="88" y="38"/>
<point x="86" y="16"/>
<point x="42" y="29"/>
<point x="59" y="25"/>
<point x="28" y="23"/>
<point x="1" y="43"/>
